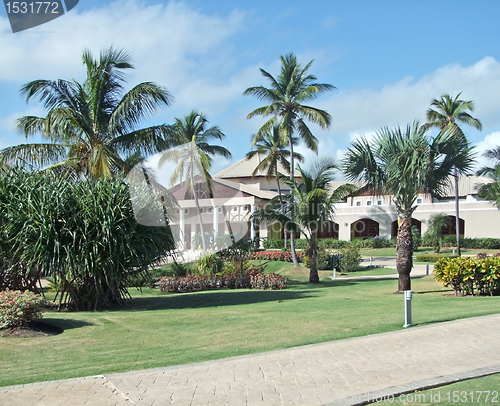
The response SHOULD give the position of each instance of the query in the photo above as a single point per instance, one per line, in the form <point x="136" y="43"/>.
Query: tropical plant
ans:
<point x="434" y="232"/>
<point x="445" y="115"/>
<point x="288" y="92"/>
<point x="193" y="157"/>
<point x="491" y="191"/>
<point x="91" y="128"/>
<point x="402" y="163"/>
<point x="309" y="207"/>
<point x="83" y="234"/>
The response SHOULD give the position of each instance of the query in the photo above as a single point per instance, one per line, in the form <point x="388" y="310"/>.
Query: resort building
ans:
<point x="236" y="193"/>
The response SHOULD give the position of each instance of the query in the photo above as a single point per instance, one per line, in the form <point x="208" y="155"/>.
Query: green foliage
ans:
<point x="331" y="243"/>
<point x="81" y="233"/>
<point x="274" y="244"/>
<point x="416" y="238"/>
<point x="19" y="308"/>
<point x="350" y="260"/>
<point x="469" y="276"/>
<point x="210" y="264"/>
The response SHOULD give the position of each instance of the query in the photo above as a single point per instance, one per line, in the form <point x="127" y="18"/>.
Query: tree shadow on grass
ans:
<point x="210" y="299"/>
<point x="66" y="324"/>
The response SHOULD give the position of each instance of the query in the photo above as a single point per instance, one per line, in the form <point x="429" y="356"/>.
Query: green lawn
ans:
<point x="479" y="391"/>
<point x="158" y="329"/>
<point x="391" y="252"/>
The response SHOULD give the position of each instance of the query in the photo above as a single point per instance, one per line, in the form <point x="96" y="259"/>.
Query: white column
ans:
<point x="181" y="229"/>
<point x="216" y="221"/>
<point x="252" y="222"/>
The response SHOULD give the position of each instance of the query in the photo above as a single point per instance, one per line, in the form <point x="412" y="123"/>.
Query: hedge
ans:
<point x="469" y="276"/>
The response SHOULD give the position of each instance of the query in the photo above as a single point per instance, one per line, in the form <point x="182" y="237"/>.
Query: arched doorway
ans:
<point x="364" y="228"/>
<point x="451" y="229"/>
<point x="414" y="222"/>
<point x="329" y="229"/>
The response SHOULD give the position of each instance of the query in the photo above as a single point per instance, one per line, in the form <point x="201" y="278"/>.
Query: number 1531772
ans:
<point x="33" y="7"/>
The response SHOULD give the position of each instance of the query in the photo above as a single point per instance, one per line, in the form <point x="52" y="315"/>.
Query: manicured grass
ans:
<point x="391" y="252"/>
<point x="367" y="271"/>
<point x="158" y="329"/>
<point x="479" y="391"/>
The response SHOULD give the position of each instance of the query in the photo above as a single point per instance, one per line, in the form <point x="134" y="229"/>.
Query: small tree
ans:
<point x="435" y="231"/>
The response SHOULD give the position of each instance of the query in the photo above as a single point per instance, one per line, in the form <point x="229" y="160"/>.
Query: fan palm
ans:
<point x="310" y="205"/>
<point x="435" y="230"/>
<point x="402" y="163"/>
<point x="194" y="156"/>
<point x="292" y="87"/>
<point x="91" y="128"/>
<point x="445" y="115"/>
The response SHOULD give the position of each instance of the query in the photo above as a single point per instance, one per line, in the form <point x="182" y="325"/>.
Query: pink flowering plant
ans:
<point x="18" y="308"/>
<point x="252" y="278"/>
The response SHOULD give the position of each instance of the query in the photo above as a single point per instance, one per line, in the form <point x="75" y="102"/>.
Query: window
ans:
<point x="186" y="211"/>
<point x="235" y="208"/>
<point x="246" y="208"/>
<point x="369" y="203"/>
<point x="219" y="209"/>
<point x="419" y="201"/>
<point x="379" y="202"/>
<point x="358" y="203"/>
<point x="210" y="209"/>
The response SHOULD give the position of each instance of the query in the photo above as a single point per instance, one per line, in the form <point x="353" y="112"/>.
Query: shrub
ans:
<point x="469" y="275"/>
<point x="350" y="260"/>
<point x="301" y="244"/>
<point x="208" y="265"/>
<point x="273" y="244"/>
<point x="331" y="243"/>
<point x="19" y="308"/>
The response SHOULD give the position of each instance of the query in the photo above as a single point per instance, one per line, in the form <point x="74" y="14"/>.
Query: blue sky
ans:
<point x="388" y="60"/>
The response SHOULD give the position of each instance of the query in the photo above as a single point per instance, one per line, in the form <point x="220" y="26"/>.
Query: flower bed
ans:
<point x="275" y="256"/>
<point x="253" y="278"/>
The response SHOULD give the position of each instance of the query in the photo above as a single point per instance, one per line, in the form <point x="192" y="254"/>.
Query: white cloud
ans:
<point x="366" y="110"/>
<point x="491" y="141"/>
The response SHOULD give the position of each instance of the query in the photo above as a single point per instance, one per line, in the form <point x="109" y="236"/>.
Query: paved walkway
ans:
<point x="340" y="372"/>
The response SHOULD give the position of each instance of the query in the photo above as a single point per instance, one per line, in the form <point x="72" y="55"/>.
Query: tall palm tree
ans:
<point x="445" y="115"/>
<point x="309" y="206"/>
<point x="194" y="156"/>
<point x="91" y="128"/>
<point x="491" y="191"/>
<point x="402" y="163"/>
<point x="288" y="92"/>
<point x="271" y="146"/>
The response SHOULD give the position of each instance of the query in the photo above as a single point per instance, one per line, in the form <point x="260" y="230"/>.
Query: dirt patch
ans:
<point x="33" y="329"/>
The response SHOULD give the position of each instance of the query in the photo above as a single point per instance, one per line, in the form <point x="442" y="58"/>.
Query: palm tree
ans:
<point x="310" y="205"/>
<point x="435" y="230"/>
<point x="271" y="145"/>
<point x="194" y="156"/>
<point x="445" y="116"/>
<point x="292" y="87"/>
<point x="491" y="191"/>
<point x="91" y="128"/>
<point x="402" y="163"/>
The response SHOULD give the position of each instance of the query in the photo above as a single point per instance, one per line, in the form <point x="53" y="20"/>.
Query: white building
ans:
<point x="236" y="194"/>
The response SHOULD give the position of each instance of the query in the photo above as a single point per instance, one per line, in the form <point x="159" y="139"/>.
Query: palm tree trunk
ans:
<point x="292" y="233"/>
<point x="404" y="252"/>
<point x="313" y="255"/>
<point x="457" y="214"/>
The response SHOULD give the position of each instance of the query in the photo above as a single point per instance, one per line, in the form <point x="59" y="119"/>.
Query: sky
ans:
<point x="387" y="59"/>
